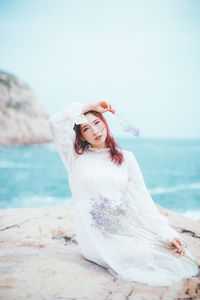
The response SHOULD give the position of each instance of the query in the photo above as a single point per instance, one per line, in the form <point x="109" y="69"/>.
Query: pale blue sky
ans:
<point x="141" y="56"/>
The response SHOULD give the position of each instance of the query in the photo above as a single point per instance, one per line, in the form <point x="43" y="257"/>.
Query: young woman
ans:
<point x="117" y="223"/>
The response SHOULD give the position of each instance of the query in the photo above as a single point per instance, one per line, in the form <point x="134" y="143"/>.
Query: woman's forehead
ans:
<point x="90" y="117"/>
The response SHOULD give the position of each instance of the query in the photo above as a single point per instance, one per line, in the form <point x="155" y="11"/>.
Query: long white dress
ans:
<point x="116" y="222"/>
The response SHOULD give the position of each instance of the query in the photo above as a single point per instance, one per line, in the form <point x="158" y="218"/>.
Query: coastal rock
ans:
<point x="22" y="119"/>
<point x="40" y="259"/>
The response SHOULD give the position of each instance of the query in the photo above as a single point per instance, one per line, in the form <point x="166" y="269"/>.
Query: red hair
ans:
<point x="116" y="154"/>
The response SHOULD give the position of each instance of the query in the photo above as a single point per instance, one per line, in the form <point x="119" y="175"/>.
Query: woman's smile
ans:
<point x="98" y="137"/>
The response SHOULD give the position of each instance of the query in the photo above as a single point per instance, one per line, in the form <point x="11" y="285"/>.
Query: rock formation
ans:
<point x="22" y="118"/>
<point x="40" y="259"/>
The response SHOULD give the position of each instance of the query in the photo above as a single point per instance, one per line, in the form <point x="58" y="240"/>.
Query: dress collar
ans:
<point x="89" y="147"/>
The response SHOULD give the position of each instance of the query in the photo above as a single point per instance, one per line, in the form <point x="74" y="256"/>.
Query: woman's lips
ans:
<point x="97" y="138"/>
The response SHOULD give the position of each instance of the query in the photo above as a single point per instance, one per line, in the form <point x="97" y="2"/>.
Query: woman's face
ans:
<point x="94" y="128"/>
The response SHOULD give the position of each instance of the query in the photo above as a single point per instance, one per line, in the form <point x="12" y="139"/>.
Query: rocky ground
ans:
<point x="40" y="259"/>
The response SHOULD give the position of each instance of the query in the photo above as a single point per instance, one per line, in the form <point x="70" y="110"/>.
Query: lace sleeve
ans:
<point x="61" y="126"/>
<point x="145" y="206"/>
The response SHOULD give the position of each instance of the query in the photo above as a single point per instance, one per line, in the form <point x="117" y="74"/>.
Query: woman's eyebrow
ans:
<point x="92" y="122"/>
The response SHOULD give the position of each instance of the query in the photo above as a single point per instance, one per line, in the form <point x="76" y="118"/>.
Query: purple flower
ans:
<point x="127" y="126"/>
<point x="106" y="214"/>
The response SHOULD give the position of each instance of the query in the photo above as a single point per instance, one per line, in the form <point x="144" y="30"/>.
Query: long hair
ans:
<point x="116" y="154"/>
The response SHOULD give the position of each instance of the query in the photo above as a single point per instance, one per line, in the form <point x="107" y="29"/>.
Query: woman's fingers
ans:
<point x="179" y="242"/>
<point x="179" y="246"/>
<point x="181" y="252"/>
<point x="175" y="250"/>
<point x="111" y="109"/>
<point x="107" y="107"/>
<point x="104" y="104"/>
<point x="176" y="244"/>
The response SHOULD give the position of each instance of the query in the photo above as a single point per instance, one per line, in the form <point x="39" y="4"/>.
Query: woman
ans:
<point x="117" y="223"/>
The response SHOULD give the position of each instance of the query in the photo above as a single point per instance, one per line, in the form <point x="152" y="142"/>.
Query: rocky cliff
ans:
<point x="22" y="119"/>
<point x="40" y="259"/>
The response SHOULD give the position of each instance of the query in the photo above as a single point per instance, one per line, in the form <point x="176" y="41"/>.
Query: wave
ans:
<point x="174" y="189"/>
<point x="36" y="202"/>
<point x="50" y="146"/>
<point x="192" y="214"/>
<point x="12" y="165"/>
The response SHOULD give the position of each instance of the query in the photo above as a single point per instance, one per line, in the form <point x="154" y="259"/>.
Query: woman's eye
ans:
<point x="87" y="127"/>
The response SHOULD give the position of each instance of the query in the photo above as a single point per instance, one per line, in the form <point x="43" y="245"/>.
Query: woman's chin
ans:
<point x="99" y="144"/>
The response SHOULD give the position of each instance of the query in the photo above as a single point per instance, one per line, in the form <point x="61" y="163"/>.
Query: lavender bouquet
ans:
<point x="105" y="215"/>
<point x="127" y="126"/>
<point x="118" y="218"/>
<point x="112" y="217"/>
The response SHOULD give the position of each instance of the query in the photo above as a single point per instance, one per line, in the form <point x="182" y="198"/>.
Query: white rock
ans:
<point x="35" y="262"/>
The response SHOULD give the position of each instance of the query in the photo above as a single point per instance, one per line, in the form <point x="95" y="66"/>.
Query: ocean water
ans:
<point x="34" y="176"/>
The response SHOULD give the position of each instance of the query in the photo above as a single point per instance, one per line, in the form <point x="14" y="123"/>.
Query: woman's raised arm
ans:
<point x="62" y="129"/>
<point x="61" y="126"/>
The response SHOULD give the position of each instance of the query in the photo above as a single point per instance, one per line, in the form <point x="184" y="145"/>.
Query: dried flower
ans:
<point x="111" y="217"/>
<point x="127" y="126"/>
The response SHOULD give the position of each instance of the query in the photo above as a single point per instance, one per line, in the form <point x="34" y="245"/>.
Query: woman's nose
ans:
<point x="95" y="130"/>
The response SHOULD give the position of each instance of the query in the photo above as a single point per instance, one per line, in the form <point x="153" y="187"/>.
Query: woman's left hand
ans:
<point x="179" y="246"/>
<point x="103" y="106"/>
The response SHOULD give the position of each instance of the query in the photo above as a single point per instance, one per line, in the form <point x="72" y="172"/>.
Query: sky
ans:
<point x="142" y="56"/>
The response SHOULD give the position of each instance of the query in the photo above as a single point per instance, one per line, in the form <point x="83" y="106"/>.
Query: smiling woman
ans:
<point x="117" y="223"/>
<point x="95" y="132"/>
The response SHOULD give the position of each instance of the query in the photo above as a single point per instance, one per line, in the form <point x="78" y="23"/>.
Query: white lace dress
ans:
<point x="116" y="221"/>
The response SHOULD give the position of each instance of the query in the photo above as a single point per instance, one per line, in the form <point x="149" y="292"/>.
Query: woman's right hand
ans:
<point x="179" y="246"/>
<point x="103" y="106"/>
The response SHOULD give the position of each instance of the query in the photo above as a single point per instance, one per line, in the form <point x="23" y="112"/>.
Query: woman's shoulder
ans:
<point x="128" y="154"/>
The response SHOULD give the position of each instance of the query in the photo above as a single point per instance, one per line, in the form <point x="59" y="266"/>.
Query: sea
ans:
<point x="33" y="176"/>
